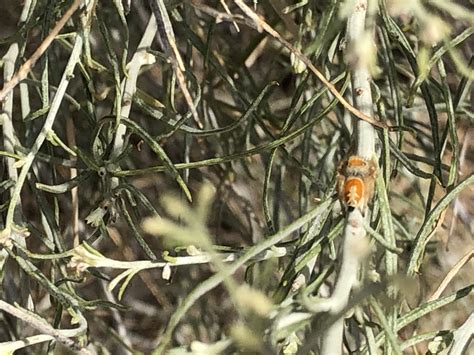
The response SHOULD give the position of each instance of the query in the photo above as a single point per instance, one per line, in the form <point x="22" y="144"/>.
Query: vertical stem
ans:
<point x="15" y="283"/>
<point x="130" y="83"/>
<point x="9" y="137"/>
<point x="364" y="134"/>
<point x="58" y="98"/>
<point x="354" y="249"/>
<point x="354" y="238"/>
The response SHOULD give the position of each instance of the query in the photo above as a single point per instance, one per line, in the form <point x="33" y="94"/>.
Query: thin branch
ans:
<point x="17" y="290"/>
<point x="216" y="279"/>
<point x="355" y="244"/>
<point x="84" y="257"/>
<point x="453" y="272"/>
<point x="165" y="30"/>
<point x="61" y="335"/>
<point x="9" y="137"/>
<point x="140" y="57"/>
<point x="27" y="161"/>
<point x="354" y="249"/>
<point x="30" y="63"/>
<point x="262" y="24"/>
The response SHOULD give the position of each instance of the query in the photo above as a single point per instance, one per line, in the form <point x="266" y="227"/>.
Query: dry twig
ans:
<point x="30" y="63"/>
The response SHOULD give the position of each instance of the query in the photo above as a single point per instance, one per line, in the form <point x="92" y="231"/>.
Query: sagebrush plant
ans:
<point x="169" y="175"/>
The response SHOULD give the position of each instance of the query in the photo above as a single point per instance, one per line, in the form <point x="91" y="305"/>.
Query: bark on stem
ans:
<point x="364" y="134"/>
<point x="355" y="244"/>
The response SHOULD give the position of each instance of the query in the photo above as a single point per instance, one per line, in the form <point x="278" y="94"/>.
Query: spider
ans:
<point x="356" y="182"/>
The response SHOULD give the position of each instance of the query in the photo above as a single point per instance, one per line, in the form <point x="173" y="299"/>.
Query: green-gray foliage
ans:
<point x="111" y="143"/>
